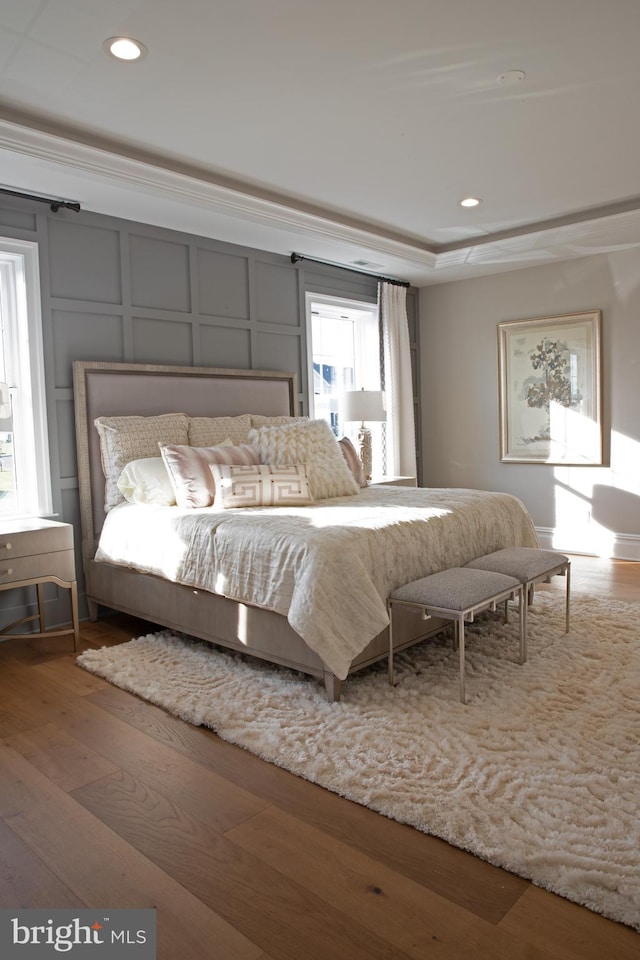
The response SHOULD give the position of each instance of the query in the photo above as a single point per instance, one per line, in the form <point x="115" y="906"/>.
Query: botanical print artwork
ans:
<point x="549" y="390"/>
<point x="554" y="381"/>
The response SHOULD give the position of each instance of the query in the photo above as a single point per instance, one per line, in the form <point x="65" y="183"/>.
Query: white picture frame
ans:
<point x="550" y="390"/>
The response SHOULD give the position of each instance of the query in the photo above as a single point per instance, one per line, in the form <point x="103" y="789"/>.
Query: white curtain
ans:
<point x="398" y="381"/>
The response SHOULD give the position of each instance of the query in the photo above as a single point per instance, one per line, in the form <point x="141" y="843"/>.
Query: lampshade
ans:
<point x="363" y="406"/>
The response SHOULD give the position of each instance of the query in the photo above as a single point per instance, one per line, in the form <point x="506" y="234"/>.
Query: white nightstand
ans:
<point x="396" y="481"/>
<point x="34" y="552"/>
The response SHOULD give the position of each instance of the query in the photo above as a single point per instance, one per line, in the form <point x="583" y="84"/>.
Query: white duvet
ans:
<point x="329" y="567"/>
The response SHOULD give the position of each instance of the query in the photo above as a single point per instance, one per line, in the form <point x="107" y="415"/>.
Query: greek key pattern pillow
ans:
<point x="262" y="485"/>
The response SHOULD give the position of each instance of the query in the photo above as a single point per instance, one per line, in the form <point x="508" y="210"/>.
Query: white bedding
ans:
<point x="329" y="567"/>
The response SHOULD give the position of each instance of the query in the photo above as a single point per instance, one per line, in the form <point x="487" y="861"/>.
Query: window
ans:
<point x="344" y="349"/>
<point x="25" y="480"/>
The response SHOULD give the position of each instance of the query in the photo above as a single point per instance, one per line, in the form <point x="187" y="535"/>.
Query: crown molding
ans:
<point x="154" y="179"/>
<point x="316" y="235"/>
<point x="603" y="234"/>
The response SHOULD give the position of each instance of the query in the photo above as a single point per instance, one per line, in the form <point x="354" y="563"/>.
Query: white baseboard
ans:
<point x="620" y="546"/>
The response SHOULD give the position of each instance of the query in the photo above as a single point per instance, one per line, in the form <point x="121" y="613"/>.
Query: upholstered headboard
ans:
<point x="124" y="389"/>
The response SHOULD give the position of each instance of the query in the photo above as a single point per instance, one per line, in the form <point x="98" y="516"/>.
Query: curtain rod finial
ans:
<point x="55" y="203"/>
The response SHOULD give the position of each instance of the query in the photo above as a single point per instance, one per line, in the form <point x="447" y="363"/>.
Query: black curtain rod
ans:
<point x="54" y="202"/>
<point x="296" y="257"/>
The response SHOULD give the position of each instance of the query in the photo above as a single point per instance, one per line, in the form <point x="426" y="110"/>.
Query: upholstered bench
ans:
<point x="530" y="566"/>
<point x="458" y="594"/>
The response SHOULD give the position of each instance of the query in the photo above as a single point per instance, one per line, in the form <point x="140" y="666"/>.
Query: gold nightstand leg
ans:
<point x="70" y="585"/>
<point x="40" y="591"/>
<point x="74" y="614"/>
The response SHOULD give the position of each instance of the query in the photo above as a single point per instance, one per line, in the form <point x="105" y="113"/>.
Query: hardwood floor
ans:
<point x="107" y="801"/>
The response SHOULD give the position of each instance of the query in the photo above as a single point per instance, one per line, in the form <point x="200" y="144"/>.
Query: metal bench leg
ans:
<point x="567" y="601"/>
<point x="390" y="657"/>
<point x="526" y="594"/>
<point x="523" y="626"/>
<point x="459" y="632"/>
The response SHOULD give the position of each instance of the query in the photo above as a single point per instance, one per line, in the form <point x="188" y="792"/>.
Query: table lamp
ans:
<point x="365" y="406"/>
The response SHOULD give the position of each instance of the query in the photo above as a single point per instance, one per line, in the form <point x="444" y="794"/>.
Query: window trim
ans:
<point x="19" y="263"/>
<point x="345" y="303"/>
<point x="367" y="374"/>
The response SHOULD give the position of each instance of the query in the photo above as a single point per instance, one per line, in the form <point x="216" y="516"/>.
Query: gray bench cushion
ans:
<point x="456" y="589"/>
<point x="525" y="563"/>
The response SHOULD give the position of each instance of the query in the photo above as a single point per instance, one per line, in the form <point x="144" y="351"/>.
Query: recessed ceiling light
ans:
<point x="470" y="202"/>
<point x="124" y="48"/>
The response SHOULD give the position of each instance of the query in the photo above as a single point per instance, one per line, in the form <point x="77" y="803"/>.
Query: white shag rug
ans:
<point x="538" y="773"/>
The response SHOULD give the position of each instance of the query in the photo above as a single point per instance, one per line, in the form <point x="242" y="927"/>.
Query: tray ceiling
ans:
<point x="346" y="131"/>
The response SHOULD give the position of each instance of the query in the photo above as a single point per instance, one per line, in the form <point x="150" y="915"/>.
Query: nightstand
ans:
<point x="34" y="552"/>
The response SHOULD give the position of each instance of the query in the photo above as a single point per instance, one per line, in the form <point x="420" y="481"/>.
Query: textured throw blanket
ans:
<point x="329" y="567"/>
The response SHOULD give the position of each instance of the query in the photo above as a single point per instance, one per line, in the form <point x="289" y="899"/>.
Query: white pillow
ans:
<point x="311" y="443"/>
<point x="261" y="485"/>
<point x="146" y="481"/>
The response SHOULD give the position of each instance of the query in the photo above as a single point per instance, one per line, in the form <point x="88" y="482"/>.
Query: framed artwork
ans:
<point x="550" y="392"/>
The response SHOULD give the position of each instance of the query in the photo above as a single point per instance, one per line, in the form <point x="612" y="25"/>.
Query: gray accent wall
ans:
<point x="591" y="510"/>
<point x="115" y="290"/>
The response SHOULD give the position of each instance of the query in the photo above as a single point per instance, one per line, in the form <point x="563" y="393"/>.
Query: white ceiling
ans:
<point x="342" y="129"/>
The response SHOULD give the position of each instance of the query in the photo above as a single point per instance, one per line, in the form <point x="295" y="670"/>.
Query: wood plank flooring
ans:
<point x="107" y="801"/>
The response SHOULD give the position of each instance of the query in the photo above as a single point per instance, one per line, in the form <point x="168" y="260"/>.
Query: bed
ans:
<point x="303" y="585"/>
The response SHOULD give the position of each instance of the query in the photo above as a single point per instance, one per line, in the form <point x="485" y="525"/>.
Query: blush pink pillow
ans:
<point x="354" y="462"/>
<point x="189" y="469"/>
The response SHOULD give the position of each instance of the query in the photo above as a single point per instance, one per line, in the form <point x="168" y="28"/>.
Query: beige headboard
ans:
<point x="121" y="389"/>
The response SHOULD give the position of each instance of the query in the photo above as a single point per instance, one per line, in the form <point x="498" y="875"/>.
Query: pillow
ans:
<point x="211" y="431"/>
<point x="146" y="481"/>
<point x="257" y="420"/>
<point x="189" y="469"/>
<point x="263" y="485"/>
<point x="353" y="460"/>
<point x="123" y="439"/>
<point x="312" y="443"/>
